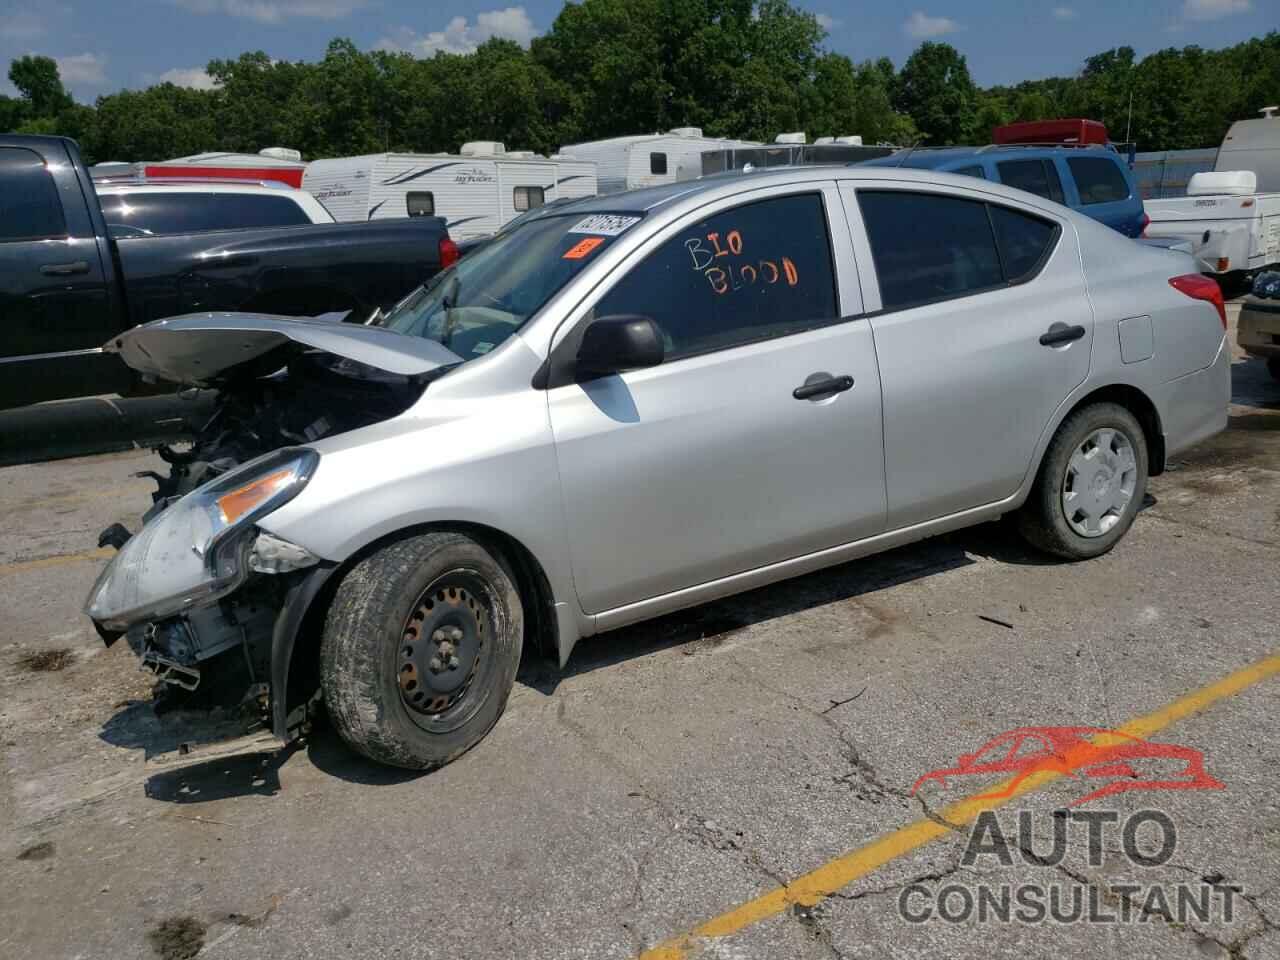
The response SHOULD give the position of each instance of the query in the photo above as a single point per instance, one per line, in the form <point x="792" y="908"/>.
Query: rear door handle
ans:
<point x="819" y="385"/>
<point x="65" y="269"/>
<point x="1059" y="333"/>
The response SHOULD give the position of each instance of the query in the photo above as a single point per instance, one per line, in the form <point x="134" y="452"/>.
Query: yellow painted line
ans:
<point x="22" y="566"/>
<point x="818" y="884"/>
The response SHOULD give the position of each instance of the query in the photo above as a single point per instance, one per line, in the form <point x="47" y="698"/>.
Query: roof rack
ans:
<point x="1048" y="143"/>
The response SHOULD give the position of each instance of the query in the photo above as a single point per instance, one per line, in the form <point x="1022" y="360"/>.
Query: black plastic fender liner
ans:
<point x="297" y="602"/>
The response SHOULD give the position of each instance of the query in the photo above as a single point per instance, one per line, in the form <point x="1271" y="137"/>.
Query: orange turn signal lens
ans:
<point x="240" y="501"/>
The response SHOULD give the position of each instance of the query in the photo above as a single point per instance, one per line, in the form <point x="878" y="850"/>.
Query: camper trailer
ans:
<point x="476" y="190"/>
<point x="272" y="163"/>
<point x="625" y="163"/>
<point x="791" y="149"/>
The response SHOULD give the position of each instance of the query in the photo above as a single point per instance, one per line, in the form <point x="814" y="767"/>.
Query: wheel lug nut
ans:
<point x="453" y="663"/>
<point x="435" y="665"/>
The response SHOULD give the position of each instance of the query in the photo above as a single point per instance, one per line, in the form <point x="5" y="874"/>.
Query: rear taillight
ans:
<point x="448" y="253"/>
<point x="1199" y="287"/>
<point x="1146" y="222"/>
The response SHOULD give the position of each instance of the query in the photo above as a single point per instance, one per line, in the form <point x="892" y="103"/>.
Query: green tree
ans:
<point x="936" y="91"/>
<point x="38" y="81"/>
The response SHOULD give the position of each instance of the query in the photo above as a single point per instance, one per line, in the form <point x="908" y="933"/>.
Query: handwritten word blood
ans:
<point x="725" y="277"/>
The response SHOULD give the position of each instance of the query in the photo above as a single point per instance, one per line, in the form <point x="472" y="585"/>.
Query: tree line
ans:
<point x="739" y="68"/>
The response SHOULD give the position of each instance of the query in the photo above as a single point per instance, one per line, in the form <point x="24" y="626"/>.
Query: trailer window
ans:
<point x="528" y="198"/>
<point x="29" y="205"/>
<point x="658" y="163"/>
<point x="420" y="203"/>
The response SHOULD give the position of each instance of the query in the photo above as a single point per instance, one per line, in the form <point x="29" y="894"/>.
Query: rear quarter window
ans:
<point x="1098" y="179"/>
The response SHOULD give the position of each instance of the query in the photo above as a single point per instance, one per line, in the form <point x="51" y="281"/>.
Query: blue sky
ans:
<point x="104" y="46"/>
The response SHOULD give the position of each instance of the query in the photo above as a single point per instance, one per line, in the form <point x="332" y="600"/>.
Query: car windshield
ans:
<point x="490" y="294"/>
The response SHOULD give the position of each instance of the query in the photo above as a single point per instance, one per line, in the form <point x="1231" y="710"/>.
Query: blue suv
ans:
<point x="1094" y="180"/>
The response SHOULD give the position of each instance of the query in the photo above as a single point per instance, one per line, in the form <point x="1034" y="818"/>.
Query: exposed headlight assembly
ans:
<point x="198" y="549"/>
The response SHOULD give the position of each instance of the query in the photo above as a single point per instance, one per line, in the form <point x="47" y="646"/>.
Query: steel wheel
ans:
<point x="1100" y="479"/>
<point x="443" y="642"/>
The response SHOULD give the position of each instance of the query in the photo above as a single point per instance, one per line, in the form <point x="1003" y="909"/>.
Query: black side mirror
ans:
<point x="618" y="343"/>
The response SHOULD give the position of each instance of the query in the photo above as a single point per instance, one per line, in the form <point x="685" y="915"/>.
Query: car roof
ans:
<point x="937" y="158"/>
<point x="649" y="199"/>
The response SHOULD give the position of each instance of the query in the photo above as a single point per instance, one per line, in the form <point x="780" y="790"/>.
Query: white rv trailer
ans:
<point x="476" y="190"/>
<point x="649" y="160"/>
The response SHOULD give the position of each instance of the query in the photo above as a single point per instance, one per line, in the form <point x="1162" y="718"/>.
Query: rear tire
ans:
<point x="1090" y="486"/>
<point x="420" y="649"/>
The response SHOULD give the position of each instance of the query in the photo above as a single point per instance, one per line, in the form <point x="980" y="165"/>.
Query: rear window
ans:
<point x="29" y="204"/>
<point x="161" y="214"/>
<point x="1034" y="176"/>
<point x="1098" y="179"/>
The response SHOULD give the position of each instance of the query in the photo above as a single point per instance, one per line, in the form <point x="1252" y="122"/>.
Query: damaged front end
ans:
<point x="208" y="601"/>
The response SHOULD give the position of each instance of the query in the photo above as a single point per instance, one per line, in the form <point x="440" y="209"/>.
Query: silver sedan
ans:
<point x="638" y="403"/>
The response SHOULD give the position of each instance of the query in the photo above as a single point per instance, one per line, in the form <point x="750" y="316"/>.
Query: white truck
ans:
<point x="1230" y="217"/>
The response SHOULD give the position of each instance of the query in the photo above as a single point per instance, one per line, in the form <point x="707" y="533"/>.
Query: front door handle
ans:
<point x="65" y="269"/>
<point x="820" y="385"/>
<point x="1059" y="333"/>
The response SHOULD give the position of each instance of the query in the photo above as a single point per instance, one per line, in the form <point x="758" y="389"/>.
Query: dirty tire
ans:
<point x="1273" y="367"/>
<point x="1043" y="521"/>
<point x="364" y="639"/>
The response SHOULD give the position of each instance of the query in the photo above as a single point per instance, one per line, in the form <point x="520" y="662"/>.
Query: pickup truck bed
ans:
<point x="67" y="287"/>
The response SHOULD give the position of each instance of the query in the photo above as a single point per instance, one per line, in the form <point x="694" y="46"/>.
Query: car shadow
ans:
<point x="710" y="624"/>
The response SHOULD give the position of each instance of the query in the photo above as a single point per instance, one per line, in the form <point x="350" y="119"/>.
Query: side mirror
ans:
<point x="618" y="343"/>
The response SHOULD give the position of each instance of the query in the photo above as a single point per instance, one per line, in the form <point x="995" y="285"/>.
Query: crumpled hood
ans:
<point x="202" y="347"/>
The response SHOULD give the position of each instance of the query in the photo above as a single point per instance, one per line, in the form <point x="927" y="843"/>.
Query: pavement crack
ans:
<point x="861" y="777"/>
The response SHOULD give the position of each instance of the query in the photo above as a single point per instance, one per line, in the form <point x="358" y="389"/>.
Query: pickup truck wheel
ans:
<point x="1090" y="485"/>
<point x="420" y="649"/>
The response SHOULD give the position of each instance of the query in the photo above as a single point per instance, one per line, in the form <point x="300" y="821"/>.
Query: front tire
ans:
<point x="420" y="649"/>
<point x="1091" y="484"/>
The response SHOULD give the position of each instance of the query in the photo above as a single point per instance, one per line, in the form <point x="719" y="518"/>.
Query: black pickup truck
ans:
<point x="67" y="286"/>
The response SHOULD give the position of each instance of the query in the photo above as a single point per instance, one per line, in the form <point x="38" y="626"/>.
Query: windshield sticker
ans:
<point x="604" y="224"/>
<point x="729" y="276"/>
<point x="582" y="248"/>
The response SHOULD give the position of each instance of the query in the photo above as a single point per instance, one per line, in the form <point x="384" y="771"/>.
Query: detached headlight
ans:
<point x="198" y="549"/>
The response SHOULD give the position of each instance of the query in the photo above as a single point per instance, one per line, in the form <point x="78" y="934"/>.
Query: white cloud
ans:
<point x="826" y="21"/>
<point x="83" y="71"/>
<point x="1064" y="13"/>
<point x="921" y="26"/>
<point x="195" y="78"/>
<point x="22" y="25"/>
<point x="461" y="36"/>
<point x="1214" y="9"/>
<point x="276" y="11"/>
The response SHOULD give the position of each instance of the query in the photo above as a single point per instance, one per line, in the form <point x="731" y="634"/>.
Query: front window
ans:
<point x="490" y="294"/>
